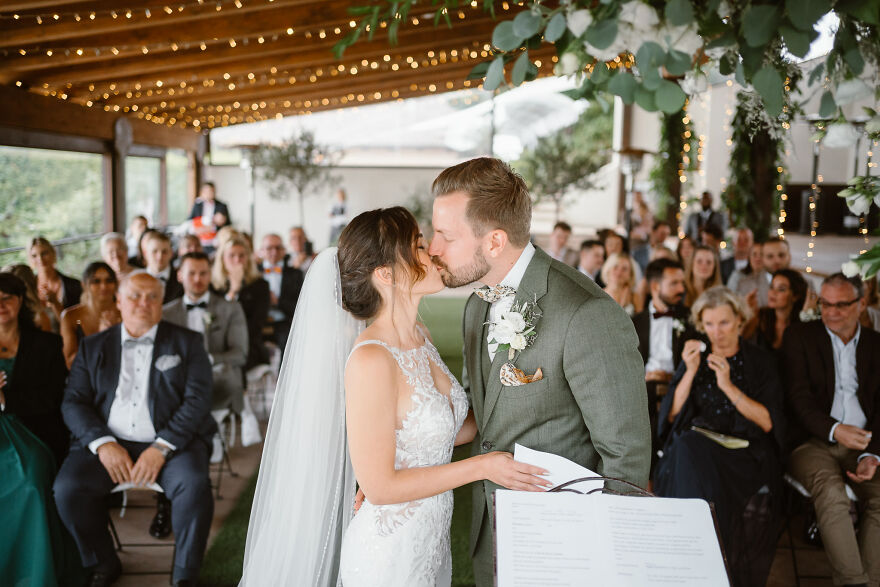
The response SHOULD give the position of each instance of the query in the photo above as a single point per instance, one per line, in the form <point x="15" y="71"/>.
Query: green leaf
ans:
<point x="526" y="24"/>
<point x="555" y="28"/>
<point x="520" y="68"/>
<point x="752" y="60"/>
<point x="651" y="78"/>
<point x="479" y="71"/>
<point x="600" y="73"/>
<point x="739" y="74"/>
<point x="624" y="84"/>
<point x="854" y="59"/>
<point x="650" y="55"/>
<point x="864" y="10"/>
<point x="531" y="72"/>
<point x="645" y="99"/>
<point x="602" y="33"/>
<point x="504" y="38"/>
<point x="679" y="12"/>
<point x="798" y="42"/>
<point x="805" y="13"/>
<point x="827" y="106"/>
<point x="725" y="40"/>
<point x="494" y="75"/>
<point x="669" y="97"/>
<point x="768" y="84"/>
<point x="678" y="62"/>
<point x="759" y="24"/>
<point x="728" y="63"/>
<point x="816" y="73"/>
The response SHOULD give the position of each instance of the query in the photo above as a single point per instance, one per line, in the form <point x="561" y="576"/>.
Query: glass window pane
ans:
<point x="142" y="188"/>
<point x="176" y="169"/>
<point x="56" y="194"/>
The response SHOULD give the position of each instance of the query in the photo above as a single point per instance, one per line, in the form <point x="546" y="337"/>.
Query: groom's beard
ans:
<point x="475" y="271"/>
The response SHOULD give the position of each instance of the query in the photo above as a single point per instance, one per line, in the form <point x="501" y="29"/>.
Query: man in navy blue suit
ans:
<point x="138" y="404"/>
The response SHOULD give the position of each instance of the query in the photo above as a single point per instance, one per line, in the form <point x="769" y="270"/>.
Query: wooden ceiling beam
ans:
<point x="29" y="8"/>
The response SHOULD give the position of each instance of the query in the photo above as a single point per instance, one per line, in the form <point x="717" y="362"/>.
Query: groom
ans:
<point x="590" y="405"/>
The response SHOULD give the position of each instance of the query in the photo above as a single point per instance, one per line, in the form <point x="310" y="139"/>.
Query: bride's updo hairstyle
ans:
<point x="387" y="237"/>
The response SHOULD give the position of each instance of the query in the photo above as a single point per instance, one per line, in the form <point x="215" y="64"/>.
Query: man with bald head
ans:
<point x="138" y="404"/>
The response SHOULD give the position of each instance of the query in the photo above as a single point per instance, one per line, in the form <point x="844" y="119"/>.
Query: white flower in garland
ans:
<point x="850" y="269"/>
<point x="579" y="21"/>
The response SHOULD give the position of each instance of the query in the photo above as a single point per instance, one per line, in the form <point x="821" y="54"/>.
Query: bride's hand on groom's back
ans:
<point x="501" y="469"/>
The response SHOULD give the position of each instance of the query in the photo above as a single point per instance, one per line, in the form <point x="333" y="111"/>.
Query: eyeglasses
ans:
<point x="838" y="305"/>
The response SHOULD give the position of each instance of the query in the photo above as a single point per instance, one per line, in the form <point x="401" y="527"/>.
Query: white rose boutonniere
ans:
<point x="515" y="329"/>
<point x="208" y="319"/>
<point x="679" y="326"/>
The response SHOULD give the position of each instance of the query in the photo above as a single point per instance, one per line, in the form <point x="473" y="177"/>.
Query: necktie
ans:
<point x="666" y="314"/>
<point x="275" y="269"/>
<point x="493" y="294"/>
<point x="202" y="305"/>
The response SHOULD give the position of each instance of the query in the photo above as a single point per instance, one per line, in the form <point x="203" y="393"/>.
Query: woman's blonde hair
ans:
<point x="612" y="260"/>
<point x="219" y="275"/>
<point x="714" y="279"/>
<point x="715" y="297"/>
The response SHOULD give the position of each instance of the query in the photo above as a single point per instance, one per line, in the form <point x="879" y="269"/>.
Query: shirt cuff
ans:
<point x="831" y="434"/>
<point x="95" y="444"/>
<point x="166" y="443"/>
<point x="868" y="454"/>
<point x="211" y="358"/>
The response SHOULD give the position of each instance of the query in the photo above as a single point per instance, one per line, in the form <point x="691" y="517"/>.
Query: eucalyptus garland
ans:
<point x="672" y="160"/>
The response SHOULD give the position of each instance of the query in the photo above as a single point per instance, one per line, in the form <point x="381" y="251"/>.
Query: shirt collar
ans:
<point x="151" y="333"/>
<point x="164" y="274"/>
<point x="188" y="300"/>
<point x="516" y="273"/>
<point x="837" y="340"/>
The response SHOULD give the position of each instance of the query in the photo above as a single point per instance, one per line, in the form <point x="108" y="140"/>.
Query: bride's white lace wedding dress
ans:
<point x="407" y="544"/>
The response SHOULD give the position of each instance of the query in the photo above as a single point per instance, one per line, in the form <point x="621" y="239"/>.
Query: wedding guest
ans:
<point x="685" y="250"/>
<point x="55" y="290"/>
<point x="558" y="248"/>
<point x="223" y="235"/>
<point x="300" y="255"/>
<point x="235" y="276"/>
<point x="777" y="255"/>
<point x="641" y="220"/>
<point x="592" y="258"/>
<point x="96" y="312"/>
<point x="731" y="388"/>
<point x="870" y="318"/>
<point x="285" y="283"/>
<point x="752" y="279"/>
<point x="743" y="240"/>
<point x="338" y="216"/>
<point x="114" y="252"/>
<point x="189" y="243"/>
<point x="785" y="300"/>
<point x="614" y="243"/>
<point x="659" y="233"/>
<point x="619" y="274"/>
<point x="704" y="217"/>
<point x="712" y="237"/>
<point x="833" y="390"/>
<point x="137" y="227"/>
<point x="212" y="215"/>
<point x="703" y="272"/>
<point x="41" y="314"/>
<point x="32" y="370"/>
<point x="156" y="247"/>
<point x="138" y="405"/>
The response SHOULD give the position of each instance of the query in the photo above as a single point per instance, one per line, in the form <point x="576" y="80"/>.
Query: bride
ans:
<point x="377" y="404"/>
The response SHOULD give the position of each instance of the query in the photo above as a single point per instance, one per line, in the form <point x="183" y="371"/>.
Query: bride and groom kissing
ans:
<point x="363" y="398"/>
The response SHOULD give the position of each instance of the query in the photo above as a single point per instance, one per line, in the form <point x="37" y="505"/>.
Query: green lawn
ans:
<point x="223" y="561"/>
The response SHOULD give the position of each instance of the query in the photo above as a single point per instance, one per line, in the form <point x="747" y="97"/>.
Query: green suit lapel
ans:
<point x="532" y="288"/>
<point x="475" y="317"/>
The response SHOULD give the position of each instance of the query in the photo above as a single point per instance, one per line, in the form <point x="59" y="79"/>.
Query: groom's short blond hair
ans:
<point x="499" y="198"/>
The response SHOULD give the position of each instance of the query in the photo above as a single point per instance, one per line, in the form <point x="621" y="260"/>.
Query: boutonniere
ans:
<point x="207" y="318"/>
<point x="679" y="326"/>
<point x="515" y="329"/>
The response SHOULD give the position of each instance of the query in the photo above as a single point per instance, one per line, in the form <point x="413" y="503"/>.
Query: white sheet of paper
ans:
<point x="561" y="469"/>
<point x="129" y="486"/>
<point x="565" y="539"/>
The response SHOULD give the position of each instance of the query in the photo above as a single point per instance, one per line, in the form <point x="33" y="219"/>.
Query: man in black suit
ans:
<point x="706" y="216"/>
<point x="662" y="328"/>
<point x="209" y="207"/>
<point x="285" y="283"/>
<point x="138" y="404"/>
<point x="742" y="245"/>
<point x="157" y="254"/>
<point x="833" y="392"/>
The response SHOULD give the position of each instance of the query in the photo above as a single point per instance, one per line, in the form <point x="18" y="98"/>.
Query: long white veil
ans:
<point x="305" y="489"/>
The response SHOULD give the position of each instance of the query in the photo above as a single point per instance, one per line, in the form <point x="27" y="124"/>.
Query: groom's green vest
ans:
<point x="591" y="405"/>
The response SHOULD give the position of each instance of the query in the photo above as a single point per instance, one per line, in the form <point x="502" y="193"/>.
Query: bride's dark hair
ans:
<point x="387" y="237"/>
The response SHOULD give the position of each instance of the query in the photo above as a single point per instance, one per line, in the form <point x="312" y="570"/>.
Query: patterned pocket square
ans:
<point x="166" y="362"/>
<point x="512" y="377"/>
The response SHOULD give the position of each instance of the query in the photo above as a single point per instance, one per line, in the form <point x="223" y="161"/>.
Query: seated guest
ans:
<point x="776" y="255"/>
<point x="32" y="300"/>
<point x="157" y="256"/>
<point x="685" y="251"/>
<point x="752" y="280"/>
<point x="96" y="312"/>
<point x="659" y="233"/>
<point x="32" y="370"/>
<point x="619" y="276"/>
<point x="870" y="318"/>
<point x="114" y="252"/>
<point x="55" y="290"/>
<point x="208" y="215"/>
<point x="558" y="248"/>
<point x="301" y="254"/>
<point x="785" y="300"/>
<point x="591" y="259"/>
<point x="138" y="404"/>
<point x="285" y="283"/>
<point x="712" y="236"/>
<point x="614" y="243"/>
<point x="833" y="391"/>
<point x="703" y="272"/>
<point x="742" y="246"/>
<point x="137" y="227"/>
<point x="731" y="388"/>
<point x="189" y="243"/>
<point x="235" y="277"/>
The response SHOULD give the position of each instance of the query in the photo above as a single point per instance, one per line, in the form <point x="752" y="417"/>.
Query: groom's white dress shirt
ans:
<point x="512" y="279"/>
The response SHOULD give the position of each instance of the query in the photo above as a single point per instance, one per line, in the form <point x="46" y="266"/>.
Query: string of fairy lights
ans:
<point x="49" y="17"/>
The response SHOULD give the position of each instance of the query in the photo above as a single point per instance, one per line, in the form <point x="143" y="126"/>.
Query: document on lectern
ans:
<point x="566" y="539"/>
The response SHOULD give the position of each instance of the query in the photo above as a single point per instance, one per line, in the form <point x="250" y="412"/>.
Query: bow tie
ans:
<point x="202" y="305"/>
<point x="666" y="314"/>
<point x="133" y="342"/>
<point x="493" y="294"/>
<point x="275" y="269"/>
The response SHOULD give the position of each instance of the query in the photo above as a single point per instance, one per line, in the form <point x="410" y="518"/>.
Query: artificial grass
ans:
<point x="223" y="561"/>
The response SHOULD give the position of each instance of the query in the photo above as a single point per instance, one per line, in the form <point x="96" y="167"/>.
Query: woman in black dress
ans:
<point x="731" y="388"/>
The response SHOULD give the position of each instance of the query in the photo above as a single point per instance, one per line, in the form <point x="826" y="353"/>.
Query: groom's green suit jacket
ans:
<point x="591" y="405"/>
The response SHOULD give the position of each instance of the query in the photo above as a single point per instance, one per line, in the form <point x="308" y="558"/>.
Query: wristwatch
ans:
<point x="166" y="452"/>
